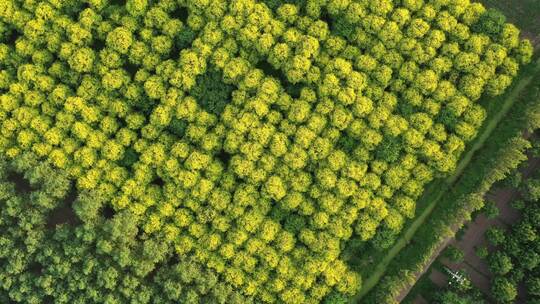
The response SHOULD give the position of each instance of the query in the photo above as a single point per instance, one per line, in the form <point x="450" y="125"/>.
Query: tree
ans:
<point x="518" y="204"/>
<point x="336" y="298"/>
<point x="500" y="263"/>
<point x="497" y="85"/>
<point x="211" y="93"/>
<point x="491" y="210"/>
<point x="491" y="23"/>
<point x="383" y="239"/>
<point x="495" y="236"/>
<point x="120" y="39"/>
<point x="136" y="7"/>
<point x="533" y="286"/>
<point x="82" y="60"/>
<point x="529" y="259"/>
<point x="275" y="187"/>
<point x="482" y="252"/>
<point x="532" y="190"/>
<point x="389" y="149"/>
<point x="525" y="51"/>
<point x="452" y="297"/>
<point x="454" y="254"/>
<point x="417" y="28"/>
<point x="503" y="290"/>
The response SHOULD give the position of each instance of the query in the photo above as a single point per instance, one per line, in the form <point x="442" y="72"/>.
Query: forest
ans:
<point x="197" y="151"/>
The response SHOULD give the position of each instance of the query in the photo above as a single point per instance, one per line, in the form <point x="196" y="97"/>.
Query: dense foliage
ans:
<point x="495" y="162"/>
<point x="224" y="151"/>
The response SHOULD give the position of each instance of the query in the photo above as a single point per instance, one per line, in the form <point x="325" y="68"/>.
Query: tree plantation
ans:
<point x="217" y="151"/>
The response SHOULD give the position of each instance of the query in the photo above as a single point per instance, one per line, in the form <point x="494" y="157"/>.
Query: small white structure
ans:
<point x="455" y="276"/>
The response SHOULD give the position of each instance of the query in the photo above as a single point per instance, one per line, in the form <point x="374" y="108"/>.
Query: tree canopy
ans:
<point x="225" y="151"/>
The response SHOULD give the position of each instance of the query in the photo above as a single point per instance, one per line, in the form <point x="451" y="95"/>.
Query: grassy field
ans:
<point x="498" y="108"/>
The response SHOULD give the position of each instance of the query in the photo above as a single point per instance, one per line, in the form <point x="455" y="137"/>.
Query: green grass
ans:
<point x="438" y="188"/>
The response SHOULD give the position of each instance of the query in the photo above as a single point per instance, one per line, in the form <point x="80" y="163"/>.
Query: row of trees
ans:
<point x="252" y="142"/>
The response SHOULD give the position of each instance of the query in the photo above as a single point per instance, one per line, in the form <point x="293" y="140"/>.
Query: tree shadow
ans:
<point x="293" y="89"/>
<point x="224" y="157"/>
<point x="290" y="221"/>
<point x="117" y="2"/>
<point x="130" y="68"/>
<point x="64" y="214"/>
<point x="158" y="181"/>
<point x="97" y="45"/>
<point x="338" y="25"/>
<point x="12" y="37"/>
<point x="107" y="212"/>
<point x="166" y="264"/>
<point x="22" y="185"/>
<point x="181" y="13"/>
<point x="35" y="268"/>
